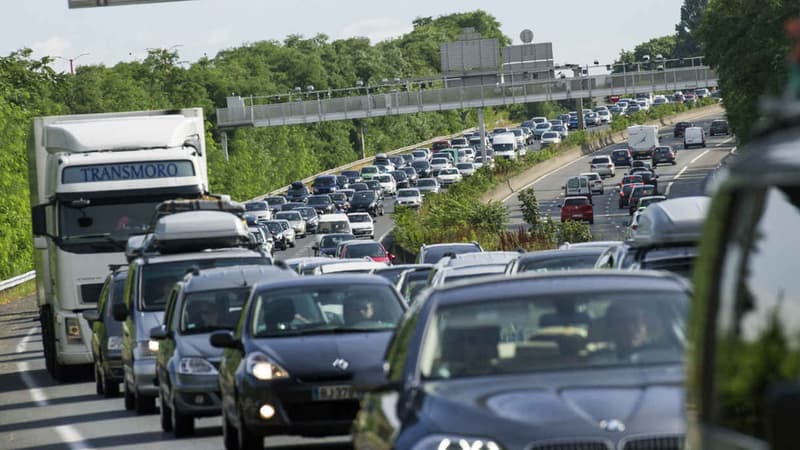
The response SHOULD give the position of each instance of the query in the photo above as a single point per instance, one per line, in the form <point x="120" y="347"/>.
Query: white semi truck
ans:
<point x="95" y="179"/>
<point x="642" y="140"/>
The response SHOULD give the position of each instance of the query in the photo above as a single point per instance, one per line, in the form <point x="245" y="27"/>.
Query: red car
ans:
<point x="371" y="249"/>
<point x="577" y="208"/>
<point x="440" y="145"/>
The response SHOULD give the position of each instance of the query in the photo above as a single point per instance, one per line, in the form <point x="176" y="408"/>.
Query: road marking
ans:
<point x="67" y="434"/>
<point x="669" y="186"/>
<point x="697" y="157"/>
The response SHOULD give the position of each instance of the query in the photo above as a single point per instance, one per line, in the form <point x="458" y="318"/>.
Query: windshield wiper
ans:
<point x="105" y="236"/>
<point x="324" y="330"/>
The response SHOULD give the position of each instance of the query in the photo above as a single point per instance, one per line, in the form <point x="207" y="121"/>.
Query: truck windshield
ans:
<point x="115" y="218"/>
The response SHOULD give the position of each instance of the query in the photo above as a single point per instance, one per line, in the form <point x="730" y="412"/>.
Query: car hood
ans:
<point x="311" y="357"/>
<point x="558" y="404"/>
<point x="362" y="203"/>
<point x="197" y="345"/>
<point x="146" y="321"/>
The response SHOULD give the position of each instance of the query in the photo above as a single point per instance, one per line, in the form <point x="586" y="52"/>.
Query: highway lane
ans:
<point x="682" y="179"/>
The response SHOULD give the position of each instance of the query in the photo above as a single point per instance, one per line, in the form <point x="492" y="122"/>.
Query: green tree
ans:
<point x="687" y="44"/>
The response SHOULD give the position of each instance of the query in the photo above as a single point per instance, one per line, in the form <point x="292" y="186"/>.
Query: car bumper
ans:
<point x="113" y="369"/>
<point x="408" y="204"/>
<point x="363" y="232"/>
<point x="296" y="411"/>
<point x="197" y="395"/>
<point x="144" y="376"/>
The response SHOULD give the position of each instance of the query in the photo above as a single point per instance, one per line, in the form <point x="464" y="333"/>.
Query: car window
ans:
<point x="525" y="335"/>
<point x="363" y="250"/>
<point x="576" y="201"/>
<point x="206" y="311"/>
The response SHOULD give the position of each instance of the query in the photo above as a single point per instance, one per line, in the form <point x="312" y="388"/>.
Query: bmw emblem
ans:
<point x="341" y="363"/>
<point x="612" y="425"/>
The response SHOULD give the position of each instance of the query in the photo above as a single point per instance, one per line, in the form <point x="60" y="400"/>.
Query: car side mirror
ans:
<point x="91" y="315"/>
<point x="225" y="339"/>
<point x="392" y="256"/>
<point x="119" y="311"/>
<point x="159" y="333"/>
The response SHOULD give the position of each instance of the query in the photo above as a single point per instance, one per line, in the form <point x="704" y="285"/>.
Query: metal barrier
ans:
<point x="255" y="111"/>
<point x="17" y="280"/>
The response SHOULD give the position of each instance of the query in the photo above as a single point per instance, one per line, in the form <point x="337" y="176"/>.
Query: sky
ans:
<point x="581" y="31"/>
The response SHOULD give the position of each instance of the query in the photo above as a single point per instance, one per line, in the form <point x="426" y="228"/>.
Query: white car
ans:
<point x="551" y="138"/>
<point x="288" y="231"/>
<point x="470" y="154"/>
<point x="388" y="184"/>
<point x="466" y="168"/>
<point x="410" y="197"/>
<point x="603" y="165"/>
<point x="295" y="220"/>
<point x="428" y="185"/>
<point x="595" y="182"/>
<point x="362" y="225"/>
<point x="419" y="155"/>
<point x="451" y="175"/>
<point x="439" y="163"/>
<point x="481" y="161"/>
<point x="605" y="116"/>
<point x="562" y="130"/>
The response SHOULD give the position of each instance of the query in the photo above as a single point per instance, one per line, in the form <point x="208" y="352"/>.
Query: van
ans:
<point x="694" y="136"/>
<point x="505" y="146"/>
<point x="334" y="223"/>
<point x="578" y="186"/>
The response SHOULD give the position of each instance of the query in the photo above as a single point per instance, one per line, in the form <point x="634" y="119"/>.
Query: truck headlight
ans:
<point x="448" y="442"/>
<point x="114" y="343"/>
<point x="264" y="369"/>
<point x="72" y="327"/>
<point x="196" y="366"/>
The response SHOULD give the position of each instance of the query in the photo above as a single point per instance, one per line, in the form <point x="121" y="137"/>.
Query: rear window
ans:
<point x="576" y="201"/>
<point x="600" y="160"/>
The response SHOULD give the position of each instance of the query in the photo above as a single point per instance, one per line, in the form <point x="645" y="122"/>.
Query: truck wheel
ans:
<point x="182" y="424"/>
<point x="165" y="413"/>
<point x="249" y="440"/>
<point x="229" y="436"/>
<point x="110" y="388"/>
<point x="98" y="381"/>
<point x="142" y="404"/>
<point x="56" y="370"/>
<point x="129" y="401"/>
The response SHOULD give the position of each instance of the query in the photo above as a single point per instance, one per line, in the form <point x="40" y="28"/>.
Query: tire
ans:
<point x="56" y="370"/>
<point x="293" y="244"/>
<point x="674" y="162"/>
<point x="249" y="440"/>
<point x="143" y="405"/>
<point x="591" y="221"/>
<point x="165" y="413"/>
<point x="129" y="401"/>
<point x="182" y="424"/>
<point x="110" y="389"/>
<point x="229" y="437"/>
<point x="98" y="381"/>
<point x="685" y="146"/>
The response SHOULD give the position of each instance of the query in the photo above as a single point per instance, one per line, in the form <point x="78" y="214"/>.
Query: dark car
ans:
<point x="440" y="145"/>
<point x="423" y="168"/>
<point x="353" y="176"/>
<point x="393" y="273"/>
<point x="413" y="281"/>
<point x="648" y="176"/>
<point x="621" y="157"/>
<point x="326" y="246"/>
<point x="186" y="366"/>
<point x="107" y="334"/>
<point x="359" y="187"/>
<point x="322" y="204"/>
<point x="398" y="161"/>
<point x="412" y="174"/>
<point x="376" y="186"/>
<point x="431" y="254"/>
<point x="555" y="260"/>
<point x="278" y="236"/>
<point x="719" y="126"/>
<point x="625" y="192"/>
<point x="297" y="192"/>
<point x="680" y="127"/>
<point x="340" y="201"/>
<point x="275" y="202"/>
<point x="645" y="190"/>
<point x="342" y="182"/>
<point x="401" y="179"/>
<point x="310" y="216"/>
<point x="325" y="184"/>
<point x="366" y="201"/>
<point x="290" y="367"/>
<point x="573" y="360"/>
<point x="663" y="154"/>
<point x="630" y="179"/>
<point x="742" y="373"/>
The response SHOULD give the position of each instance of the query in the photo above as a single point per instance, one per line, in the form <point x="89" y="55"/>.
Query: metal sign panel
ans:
<point x="95" y="3"/>
<point x="466" y="56"/>
<point x="528" y="52"/>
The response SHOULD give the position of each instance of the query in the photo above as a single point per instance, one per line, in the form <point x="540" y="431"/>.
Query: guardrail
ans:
<point x="363" y="161"/>
<point x="17" y="280"/>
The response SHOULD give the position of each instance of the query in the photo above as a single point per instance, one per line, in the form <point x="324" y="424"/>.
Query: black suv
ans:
<point x="366" y="201"/>
<point x="297" y="192"/>
<point x="743" y="385"/>
<point x="663" y="155"/>
<point x="719" y="126"/>
<point x="107" y="334"/>
<point x="680" y="126"/>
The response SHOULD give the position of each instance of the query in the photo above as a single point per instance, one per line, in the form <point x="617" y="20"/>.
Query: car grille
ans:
<point x="588" y="444"/>
<point x="655" y="443"/>
<point x="327" y="377"/>
<point x="322" y="411"/>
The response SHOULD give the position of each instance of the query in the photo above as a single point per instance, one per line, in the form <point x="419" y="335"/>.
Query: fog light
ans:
<point x="199" y="399"/>
<point x="152" y="346"/>
<point x="266" y="411"/>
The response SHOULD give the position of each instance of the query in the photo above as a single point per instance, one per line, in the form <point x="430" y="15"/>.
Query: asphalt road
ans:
<point x="36" y="413"/>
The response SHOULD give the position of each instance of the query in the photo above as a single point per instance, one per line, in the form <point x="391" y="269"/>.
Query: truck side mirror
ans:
<point x="39" y="220"/>
<point x="119" y="311"/>
<point x="91" y="315"/>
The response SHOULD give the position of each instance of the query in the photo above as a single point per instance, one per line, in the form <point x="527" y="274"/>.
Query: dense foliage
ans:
<point x="261" y="159"/>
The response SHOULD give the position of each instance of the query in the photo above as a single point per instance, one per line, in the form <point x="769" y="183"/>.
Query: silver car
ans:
<point x="295" y="220"/>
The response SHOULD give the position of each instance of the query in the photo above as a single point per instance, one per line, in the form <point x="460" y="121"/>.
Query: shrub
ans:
<point x="573" y="231"/>
<point x="530" y="207"/>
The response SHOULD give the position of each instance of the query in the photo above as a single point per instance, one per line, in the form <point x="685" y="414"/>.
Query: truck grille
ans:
<point x="655" y="443"/>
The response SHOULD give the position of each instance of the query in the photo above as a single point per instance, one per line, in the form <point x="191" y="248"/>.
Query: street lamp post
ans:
<point x="72" y="61"/>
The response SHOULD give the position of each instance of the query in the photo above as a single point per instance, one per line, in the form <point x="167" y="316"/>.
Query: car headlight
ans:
<point x="114" y="343"/>
<point x="448" y="442"/>
<point x="196" y="366"/>
<point x="263" y="368"/>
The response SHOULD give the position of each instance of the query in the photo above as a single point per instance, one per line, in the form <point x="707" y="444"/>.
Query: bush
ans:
<point x="530" y="207"/>
<point x="573" y="231"/>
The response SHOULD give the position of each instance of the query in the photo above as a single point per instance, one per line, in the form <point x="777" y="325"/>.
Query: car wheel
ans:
<point x="142" y="404"/>
<point x="129" y="403"/>
<point x="182" y="424"/>
<point x="110" y="388"/>
<point x="591" y="221"/>
<point x="293" y="244"/>
<point x="674" y="162"/>
<point x="685" y="146"/>
<point x="249" y="440"/>
<point x="620" y="205"/>
<point x="229" y="437"/>
<point x="98" y="381"/>
<point x="602" y="191"/>
<point x="165" y="413"/>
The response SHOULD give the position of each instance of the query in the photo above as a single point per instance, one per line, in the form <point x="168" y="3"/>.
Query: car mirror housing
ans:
<point x="91" y="315"/>
<point x="159" y="333"/>
<point x="224" y="339"/>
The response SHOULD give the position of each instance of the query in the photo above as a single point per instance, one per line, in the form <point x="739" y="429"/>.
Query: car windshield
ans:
<point x="434" y="254"/>
<point x="326" y="181"/>
<point x="576" y="201"/>
<point x="408" y="193"/>
<point x="415" y="281"/>
<point x="600" y="160"/>
<point x="631" y="179"/>
<point x="159" y="278"/>
<point x="113" y="218"/>
<point x="364" y="196"/>
<point x="276" y="201"/>
<point x="256" y="206"/>
<point x="273" y="227"/>
<point x="374" y="184"/>
<point x="647" y="201"/>
<point x="372" y="249"/>
<point x="289" y="215"/>
<point x="559" y="332"/>
<point x="439" y="161"/>
<point x="298" y="190"/>
<point x="332" y="240"/>
<point x="420" y="165"/>
<point x="338" y="197"/>
<point x="549" y="135"/>
<point x="319" y="200"/>
<point x="307" y="212"/>
<point x="206" y="311"/>
<point x="369" y="170"/>
<point x="558" y="263"/>
<point x="426" y="182"/>
<point x="448" y="172"/>
<point x="318" y="309"/>
<point x="542" y="126"/>
<point x="359" y="218"/>
<point x="464" y="166"/>
<point x="503" y="147"/>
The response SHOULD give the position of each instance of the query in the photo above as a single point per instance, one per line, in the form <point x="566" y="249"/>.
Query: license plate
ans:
<point x="577" y="216"/>
<point x="336" y="392"/>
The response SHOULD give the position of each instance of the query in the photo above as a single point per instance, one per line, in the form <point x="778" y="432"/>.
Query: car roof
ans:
<point x="677" y="220"/>
<point x="202" y="255"/>
<point x="233" y="277"/>
<point x="547" y="254"/>
<point x="577" y="282"/>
